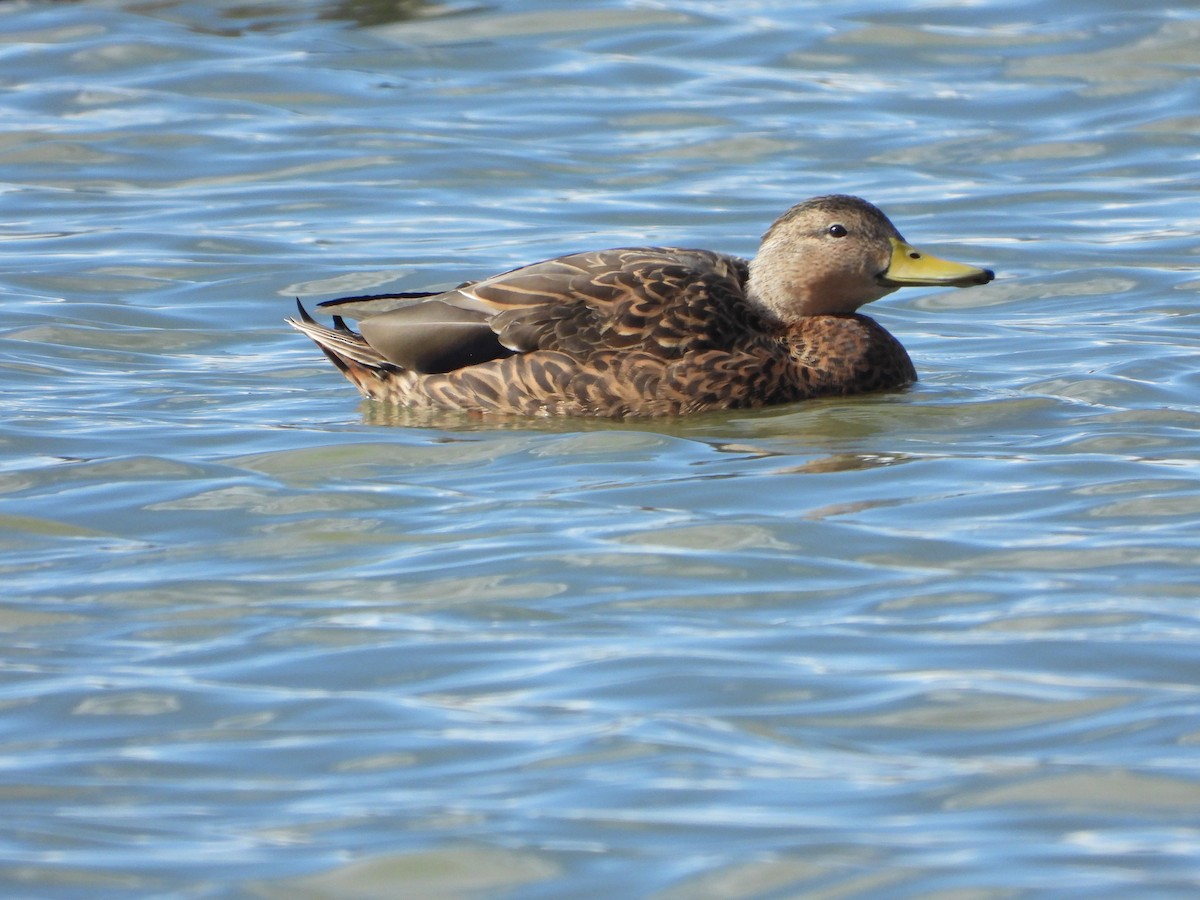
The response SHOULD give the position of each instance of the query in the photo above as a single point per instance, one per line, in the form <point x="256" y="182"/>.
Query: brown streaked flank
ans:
<point x="647" y="331"/>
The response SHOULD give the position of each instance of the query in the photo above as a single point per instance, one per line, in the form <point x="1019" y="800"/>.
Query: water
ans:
<point x="263" y="640"/>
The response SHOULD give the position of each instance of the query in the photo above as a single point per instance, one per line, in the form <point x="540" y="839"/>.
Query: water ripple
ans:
<point x="936" y="642"/>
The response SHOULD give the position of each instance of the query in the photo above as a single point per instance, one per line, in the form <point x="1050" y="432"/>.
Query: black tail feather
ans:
<point x="304" y="316"/>
<point x="362" y="298"/>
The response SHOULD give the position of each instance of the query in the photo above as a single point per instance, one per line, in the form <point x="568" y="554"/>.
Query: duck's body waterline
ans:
<point x="651" y="330"/>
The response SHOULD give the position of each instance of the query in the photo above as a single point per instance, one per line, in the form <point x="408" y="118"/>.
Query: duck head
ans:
<point x="830" y="255"/>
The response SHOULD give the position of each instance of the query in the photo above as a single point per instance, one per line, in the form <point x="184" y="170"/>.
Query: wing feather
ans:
<point x="662" y="300"/>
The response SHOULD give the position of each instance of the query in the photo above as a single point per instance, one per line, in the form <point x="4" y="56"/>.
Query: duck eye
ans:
<point x="836" y="230"/>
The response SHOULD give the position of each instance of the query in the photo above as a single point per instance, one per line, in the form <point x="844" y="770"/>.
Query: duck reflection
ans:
<point x="367" y="13"/>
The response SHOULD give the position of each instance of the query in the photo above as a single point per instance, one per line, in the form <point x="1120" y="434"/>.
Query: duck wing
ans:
<point x="663" y="300"/>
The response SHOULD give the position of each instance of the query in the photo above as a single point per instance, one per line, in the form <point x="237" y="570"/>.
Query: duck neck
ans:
<point x="777" y="296"/>
<point x="786" y="293"/>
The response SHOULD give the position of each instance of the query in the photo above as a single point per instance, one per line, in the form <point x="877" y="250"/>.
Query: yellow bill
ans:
<point x="910" y="266"/>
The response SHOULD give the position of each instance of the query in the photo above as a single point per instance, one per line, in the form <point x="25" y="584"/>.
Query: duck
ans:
<point x="649" y="331"/>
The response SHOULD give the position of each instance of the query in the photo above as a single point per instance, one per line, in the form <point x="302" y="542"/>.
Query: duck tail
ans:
<point x="364" y="366"/>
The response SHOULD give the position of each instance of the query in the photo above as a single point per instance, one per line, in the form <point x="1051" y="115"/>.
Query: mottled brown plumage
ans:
<point x="649" y="331"/>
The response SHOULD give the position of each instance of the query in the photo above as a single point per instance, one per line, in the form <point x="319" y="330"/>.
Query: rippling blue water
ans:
<point x="261" y="639"/>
